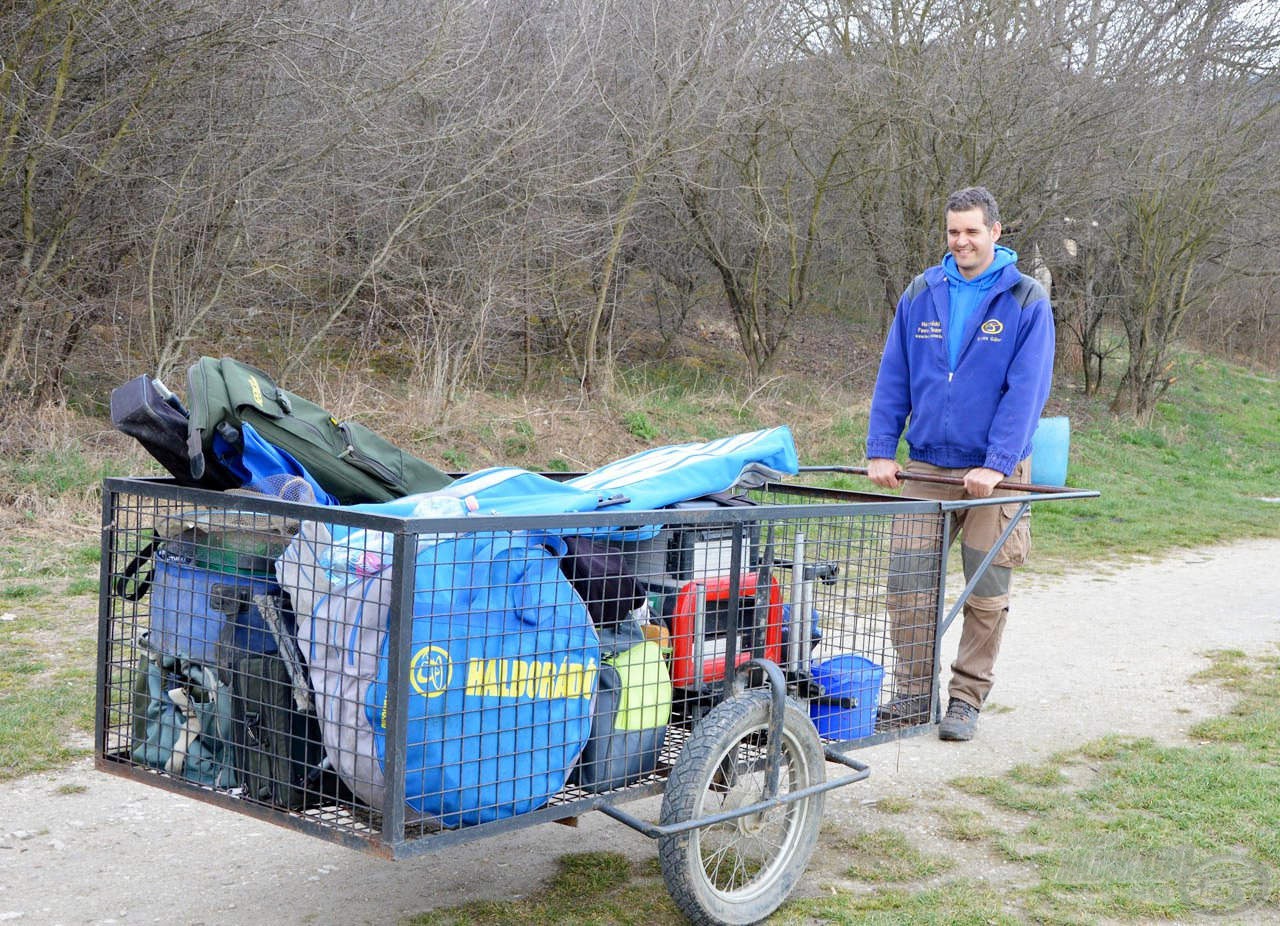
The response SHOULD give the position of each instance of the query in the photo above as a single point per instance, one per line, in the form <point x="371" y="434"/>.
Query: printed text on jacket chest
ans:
<point x="929" y="331"/>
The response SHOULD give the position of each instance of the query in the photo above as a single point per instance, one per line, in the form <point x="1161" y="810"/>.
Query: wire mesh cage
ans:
<point x="401" y="683"/>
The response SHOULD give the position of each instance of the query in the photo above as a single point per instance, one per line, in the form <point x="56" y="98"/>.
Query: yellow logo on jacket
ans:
<point x="994" y="326"/>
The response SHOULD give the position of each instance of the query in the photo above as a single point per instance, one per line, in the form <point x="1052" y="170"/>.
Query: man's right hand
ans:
<point x="883" y="473"/>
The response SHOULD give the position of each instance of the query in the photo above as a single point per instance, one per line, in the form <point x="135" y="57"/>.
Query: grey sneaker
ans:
<point x="960" y="722"/>
<point x="905" y="709"/>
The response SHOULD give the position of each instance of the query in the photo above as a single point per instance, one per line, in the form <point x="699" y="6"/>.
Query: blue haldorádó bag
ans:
<point x="502" y="678"/>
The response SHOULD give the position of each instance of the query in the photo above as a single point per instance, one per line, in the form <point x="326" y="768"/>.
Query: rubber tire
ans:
<point x="695" y="788"/>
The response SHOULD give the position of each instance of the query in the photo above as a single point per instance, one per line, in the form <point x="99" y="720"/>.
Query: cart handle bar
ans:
<point x="943" y="480"/>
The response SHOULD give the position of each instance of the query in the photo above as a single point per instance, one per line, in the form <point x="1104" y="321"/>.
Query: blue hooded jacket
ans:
<point x="983" y="409"/>
<point x="966" y="295"/>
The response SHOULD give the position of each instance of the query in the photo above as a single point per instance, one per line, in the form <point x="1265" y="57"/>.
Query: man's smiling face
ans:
<point x="971" y="242"/>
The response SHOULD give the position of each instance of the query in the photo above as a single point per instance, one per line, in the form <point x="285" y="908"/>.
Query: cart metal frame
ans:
<point x="131" y="504"/>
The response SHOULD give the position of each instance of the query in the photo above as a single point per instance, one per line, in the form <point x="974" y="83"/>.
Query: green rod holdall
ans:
<point x="348" y="460"/>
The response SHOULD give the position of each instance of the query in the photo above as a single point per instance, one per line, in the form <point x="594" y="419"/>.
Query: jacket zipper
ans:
<point x="946" y="421"/>
<point x="288" y="413"/>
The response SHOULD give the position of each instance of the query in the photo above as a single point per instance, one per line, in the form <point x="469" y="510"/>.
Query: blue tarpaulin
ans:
<point x="644" y="481"/>
<point x="649" y="479"/>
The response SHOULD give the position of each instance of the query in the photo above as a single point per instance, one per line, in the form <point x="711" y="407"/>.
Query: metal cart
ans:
<point x="402" y="684"/>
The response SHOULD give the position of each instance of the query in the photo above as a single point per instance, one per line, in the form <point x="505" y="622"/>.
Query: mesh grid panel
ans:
<point x="383" y="681"/>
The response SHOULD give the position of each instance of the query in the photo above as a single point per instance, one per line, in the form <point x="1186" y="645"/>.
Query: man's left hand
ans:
<point x="979" y="481"/>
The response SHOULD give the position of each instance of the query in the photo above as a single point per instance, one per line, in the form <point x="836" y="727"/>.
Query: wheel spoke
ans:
<point x="739" y="870"/>
<point x="739" y="851"/>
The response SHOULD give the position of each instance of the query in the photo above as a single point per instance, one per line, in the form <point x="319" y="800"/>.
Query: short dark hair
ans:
<point x="975" y="197"/>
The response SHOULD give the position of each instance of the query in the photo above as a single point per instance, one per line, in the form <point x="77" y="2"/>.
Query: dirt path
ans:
<point x="1085" y="655"/>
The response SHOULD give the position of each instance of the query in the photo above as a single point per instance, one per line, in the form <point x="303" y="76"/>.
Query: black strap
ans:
<point x="195" y="452"/>
<point x="145" y="557"/>
<point x="727" y="499"/>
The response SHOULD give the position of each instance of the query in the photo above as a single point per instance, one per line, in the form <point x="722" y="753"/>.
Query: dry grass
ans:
<point x="50" y="484"/>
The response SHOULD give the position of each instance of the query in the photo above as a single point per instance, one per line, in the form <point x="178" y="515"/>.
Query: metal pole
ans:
<point x="699" y="632"/>
<point x="797" y="603"/>
<point x="947" y="480"/>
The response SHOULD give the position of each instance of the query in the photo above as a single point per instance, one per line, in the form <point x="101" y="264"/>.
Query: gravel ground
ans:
<point x="1085" y="655"/>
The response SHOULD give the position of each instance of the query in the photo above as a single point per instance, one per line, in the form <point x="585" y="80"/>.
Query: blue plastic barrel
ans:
<point x="1050" y="447"/>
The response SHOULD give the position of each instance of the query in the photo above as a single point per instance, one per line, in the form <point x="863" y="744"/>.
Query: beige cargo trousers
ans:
<point x="913" y="586"/>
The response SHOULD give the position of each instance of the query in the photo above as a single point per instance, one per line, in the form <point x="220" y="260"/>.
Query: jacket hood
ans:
<point x="1003" y="258"/>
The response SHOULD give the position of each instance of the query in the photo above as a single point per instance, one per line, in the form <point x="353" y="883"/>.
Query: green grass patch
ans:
<point x="1046" y="775"/>
<point x="965" y="825"/>
<point x="89" y="554"/>
<point x="1106" y="747"/>
<point x="1007" y="794"/>
<point x="1163" y="484"/>
<point x="52" y="562"/>
<point x="58" y="472"/>
<point x="1254" y="722"/>
<point x="589" y="889"/>
<point x="1232" y="669"/>
<point x="639" y="425"/>
<point x="893" y="805"/>
<point x="675" y="380"/>
<point x="523" y="443"/>
<point x="671" y="403"/>
<point x="1159" y="831"/>
<point x="885" y="856"/>
<point x="81" y="587"/>
<point x="850" y="430"/>
<point x="953" y="903"/>
<point x="22" y="592"/>
<point x="46" y="701"/>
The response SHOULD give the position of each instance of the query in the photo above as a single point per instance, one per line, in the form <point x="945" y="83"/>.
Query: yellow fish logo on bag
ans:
<point x="430" y="671"/>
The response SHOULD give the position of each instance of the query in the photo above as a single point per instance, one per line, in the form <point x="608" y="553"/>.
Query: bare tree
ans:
<point x="77" y="79"/>
<point x="1193" y="163"/>
<point x="757" y="177"/>
<point x="467" y="191"/>
<point x="946" y="95"/>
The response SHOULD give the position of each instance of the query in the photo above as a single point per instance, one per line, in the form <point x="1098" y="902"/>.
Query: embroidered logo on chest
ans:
<point x="992" y="326"/>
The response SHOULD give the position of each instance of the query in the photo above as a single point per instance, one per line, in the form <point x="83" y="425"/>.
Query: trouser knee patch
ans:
<point x="994" y="582"/>
<point x="911" y="573"/>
